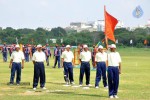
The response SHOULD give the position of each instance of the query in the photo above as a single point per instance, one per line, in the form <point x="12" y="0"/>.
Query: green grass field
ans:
<point x="134" y="81"/>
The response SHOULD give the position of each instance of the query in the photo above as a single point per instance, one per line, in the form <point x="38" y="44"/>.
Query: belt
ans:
<point x="17" y="62"/>
<point x="100" y="61"/>
<point x="85" y="61"/>
<point x="39" y="62"/>
<point x="67" y="62"/>
<point x="114" y="66"/>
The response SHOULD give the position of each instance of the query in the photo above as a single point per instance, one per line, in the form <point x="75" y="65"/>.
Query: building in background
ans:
<point x="91" y="26"/>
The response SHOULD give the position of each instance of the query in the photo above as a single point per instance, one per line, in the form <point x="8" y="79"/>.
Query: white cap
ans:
<point x="85" y="46"/>
<point x="100" y="47"/>
<point x="17" y="46"/>
<point x="113" y="46"/>
<point x="68" y="46"/>
<point x="39" y="46"/>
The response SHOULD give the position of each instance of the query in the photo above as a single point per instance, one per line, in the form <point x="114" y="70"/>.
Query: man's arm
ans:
<point x="33" y="62"/>
<point x="120" y="68"/>
<point x="62" y="59"/>
<point x="10" y="65"/>
<point x="106" y="63"/>
<point x="22" y="63"/>
<point x="73" y="62"/>
<point x="80" y="57"/>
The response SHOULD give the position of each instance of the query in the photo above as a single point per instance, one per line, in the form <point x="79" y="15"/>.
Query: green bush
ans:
<point x="139" y="45"/>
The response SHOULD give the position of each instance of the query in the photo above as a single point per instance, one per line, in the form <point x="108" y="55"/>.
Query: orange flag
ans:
<point x="145" y="42"/>
<point x="110" y="23"/>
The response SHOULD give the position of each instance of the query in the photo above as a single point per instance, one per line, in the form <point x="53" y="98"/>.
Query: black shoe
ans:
<point x="11" y="83"/>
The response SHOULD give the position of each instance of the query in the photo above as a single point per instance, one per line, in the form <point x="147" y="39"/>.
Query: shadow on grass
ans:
<point x="75" y="94"/>
<point x="56" y="83"/>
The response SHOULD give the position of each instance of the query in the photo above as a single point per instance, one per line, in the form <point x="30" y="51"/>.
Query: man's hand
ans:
<point x="22" y="66"/>
<point x="73" y="64"/>
<point x="119" y="68"/>
<point x="119" y="71"/>
<point x="10" y="66"/>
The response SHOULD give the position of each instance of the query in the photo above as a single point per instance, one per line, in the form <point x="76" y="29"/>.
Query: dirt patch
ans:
<point x="31" y="93"/>
<point x="6" y="88"/>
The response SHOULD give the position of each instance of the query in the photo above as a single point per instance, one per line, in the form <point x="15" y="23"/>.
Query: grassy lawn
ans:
<point x="134" y="81"/>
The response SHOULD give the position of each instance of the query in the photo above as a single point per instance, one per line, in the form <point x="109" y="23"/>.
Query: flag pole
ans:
<point x="106" y="39"/>
<point x="106" y="42"/>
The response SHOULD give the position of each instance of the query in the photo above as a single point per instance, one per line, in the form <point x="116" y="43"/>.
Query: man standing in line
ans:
<point x="94" y="51"/>
<point x="26" y="53"/>
<point x="39" y="68"/>
<point x="62" y="48"/>
<point x="114" y="69"/>
<point x="11" y="49"/>
<point x="57" y="53"/>
<point x="15" y="64"/>
<point x="101" y="58"/>
<point x="4" y="52"/>
<point x="47" y="53"/>
<point x="85" y="57"/>
<point x="33" y="49"/>
<point x="67" y="60"/>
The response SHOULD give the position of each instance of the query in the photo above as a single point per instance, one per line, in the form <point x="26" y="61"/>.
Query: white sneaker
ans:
<point x="115" y="96"/>
<point x="44" y="88"/>
<point x="106" y="87"/>
<point x="96" y="87"/>
<point x="67" y="83"/>
<point x="34" y="88"/>
<point x="89" y="85"/>
<point x="111" y="96"/>
<point x="80" y="85"/>
<point x="72" y="83"/>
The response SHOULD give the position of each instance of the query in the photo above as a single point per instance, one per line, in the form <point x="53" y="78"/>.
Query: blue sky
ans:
<point x="54" y="13"/>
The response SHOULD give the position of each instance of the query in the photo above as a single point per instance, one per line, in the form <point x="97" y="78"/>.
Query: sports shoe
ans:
<point x="44" y="88"/>
<point x="80" y="85"/>
<point x="67" y="83"/>
<point x="111" y="96"/>
<point x="96" y="87"/>
<point x="115" y="96"/>
<point x="89" y="85"/>
<point x="72" y="83"/>
<point x="11" y="84"/>
<point x="106" y="87"/>
<point x="34" y="88"/>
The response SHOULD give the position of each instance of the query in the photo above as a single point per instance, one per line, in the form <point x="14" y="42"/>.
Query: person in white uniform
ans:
<point x="114" y="69"/>
<point x="39" y="68"/>
<point x="101" y="58"/>
<point x="67" y="60"/>
<point x="16" y="63"/>
<point x="85" y="57"/>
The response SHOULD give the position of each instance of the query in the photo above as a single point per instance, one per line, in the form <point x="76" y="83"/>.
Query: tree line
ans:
<point x="72" y="37"/>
